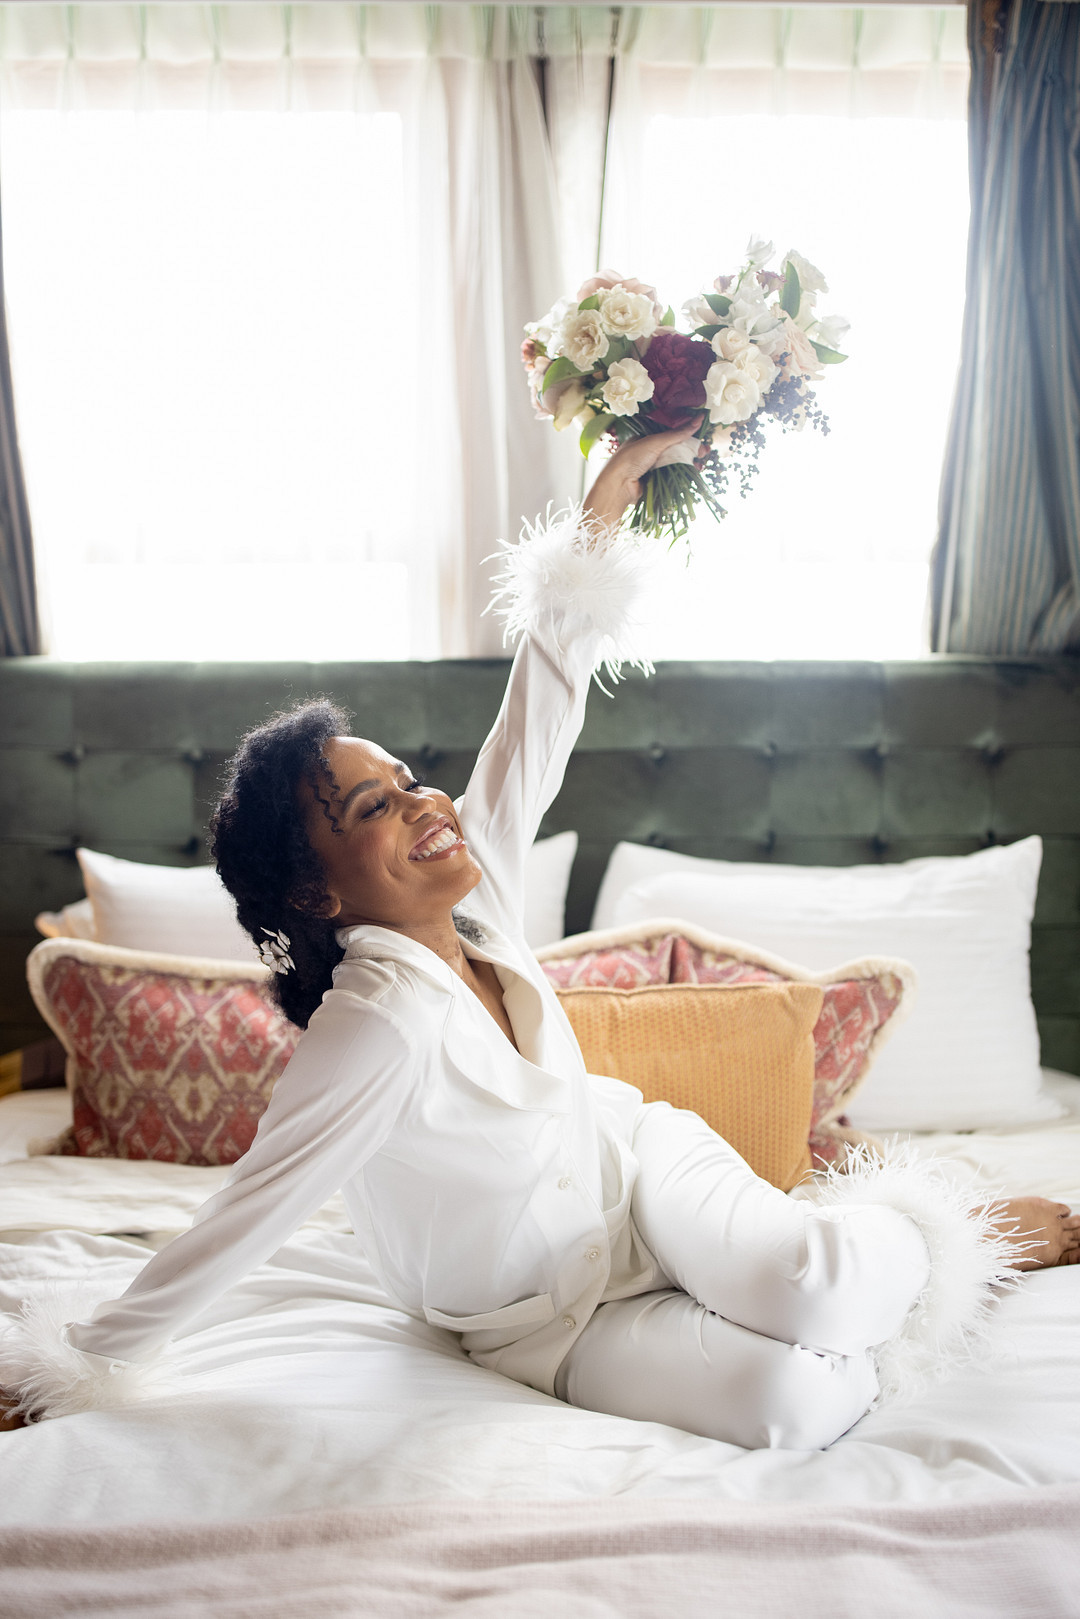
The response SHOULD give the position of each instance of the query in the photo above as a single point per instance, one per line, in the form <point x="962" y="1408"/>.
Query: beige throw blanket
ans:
<point x="1015" y="1557"/>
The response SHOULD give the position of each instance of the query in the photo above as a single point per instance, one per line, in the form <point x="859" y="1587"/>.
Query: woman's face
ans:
<point x="392" y="850"/>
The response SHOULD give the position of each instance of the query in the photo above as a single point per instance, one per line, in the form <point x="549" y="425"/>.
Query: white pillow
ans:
<point x="547" y="876"/>
<point x="186" y="911"/>
<point x="968" y="1056"/>
<point x="173" y="910"/>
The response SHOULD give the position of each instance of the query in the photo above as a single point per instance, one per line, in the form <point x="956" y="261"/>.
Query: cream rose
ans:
<point x="758" y="365"/>
<point x="581" y="337"/>
<point x="628" y="383"/>
<point x="730" y="343"/>
<point x="732" y="395"/>
<point x="626" y="314"/>
<point x="802" y="361"/>
<point x="543" y="330"/>
<point x="607" y="279"/>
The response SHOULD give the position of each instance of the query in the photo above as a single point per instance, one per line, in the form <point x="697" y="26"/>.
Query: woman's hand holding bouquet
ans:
<point x="613" y="364"/>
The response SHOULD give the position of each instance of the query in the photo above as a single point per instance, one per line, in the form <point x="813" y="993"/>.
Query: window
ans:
<point x="827" y="558"/>
<point x="191" y="302"/>
<point x="222" y="321"/>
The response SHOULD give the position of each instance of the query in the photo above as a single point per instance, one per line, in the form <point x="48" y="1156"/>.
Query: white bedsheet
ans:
<point x="308" y="1391"/>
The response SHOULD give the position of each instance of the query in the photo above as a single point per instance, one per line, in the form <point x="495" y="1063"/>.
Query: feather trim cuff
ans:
<point x="44" y="1375"/>
<point x="947" y="1327"/>
<point x="568" y="579"/>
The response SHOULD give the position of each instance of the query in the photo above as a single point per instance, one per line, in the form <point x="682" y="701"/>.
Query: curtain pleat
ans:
<point x="20" y="630"/>
<point x="1006" y="571"/>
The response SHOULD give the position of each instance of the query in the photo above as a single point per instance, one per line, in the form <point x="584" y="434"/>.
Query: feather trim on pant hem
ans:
<point x="947" y="1327"/>
<point x="568" y="575"/>
<point x="43" y="1375"/>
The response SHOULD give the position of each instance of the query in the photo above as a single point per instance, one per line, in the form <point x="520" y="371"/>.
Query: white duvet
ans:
<point x="307" y="1391"/>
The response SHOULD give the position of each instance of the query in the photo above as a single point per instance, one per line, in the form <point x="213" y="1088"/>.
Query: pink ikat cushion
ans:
<point x="169" y="1058"/>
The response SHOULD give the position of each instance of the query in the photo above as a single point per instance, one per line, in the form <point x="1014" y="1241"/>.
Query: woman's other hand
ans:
<point x="619" y="482"/>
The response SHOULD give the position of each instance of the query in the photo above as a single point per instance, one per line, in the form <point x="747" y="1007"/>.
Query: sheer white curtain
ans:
<point x="840" y="132"/>
<point x="291" y="402"/>
<point x="347" y="472"/>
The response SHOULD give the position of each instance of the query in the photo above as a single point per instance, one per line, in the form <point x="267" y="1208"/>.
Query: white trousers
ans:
<point x="762" y="1336"/>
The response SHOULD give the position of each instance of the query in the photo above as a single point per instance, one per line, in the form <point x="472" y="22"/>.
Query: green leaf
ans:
<point x="590" y="303"/>
<point x="618" y="349"/>
<point x="791" y="297"/>
<point x="708" y="331"/>
<point x="560" y="370"/>
<point x="828" y="356"/>
<point x="593" y="430"/>
<point x="718" y="303"/>
<point x="668" y="317"/>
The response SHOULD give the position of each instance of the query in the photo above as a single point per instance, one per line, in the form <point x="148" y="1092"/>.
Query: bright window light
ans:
<point x="828" y="557"/>
<point x="197" y="309"/>
<point x="198" y="305"/>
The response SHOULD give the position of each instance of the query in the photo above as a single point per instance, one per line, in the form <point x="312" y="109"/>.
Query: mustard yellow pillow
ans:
<point x="741" y="1056"/>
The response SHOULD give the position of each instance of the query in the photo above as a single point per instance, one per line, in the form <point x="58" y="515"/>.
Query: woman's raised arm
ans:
<point x="568" y="589"/>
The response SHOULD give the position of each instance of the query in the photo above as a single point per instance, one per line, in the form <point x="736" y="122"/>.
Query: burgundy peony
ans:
<point x="678" y="366"/>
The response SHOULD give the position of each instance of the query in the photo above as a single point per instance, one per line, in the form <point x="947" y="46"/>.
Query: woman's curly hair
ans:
<point x="260" y="846"/>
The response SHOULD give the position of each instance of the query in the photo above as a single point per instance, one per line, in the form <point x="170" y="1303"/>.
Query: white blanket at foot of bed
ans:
<point x="306" y="1391"/>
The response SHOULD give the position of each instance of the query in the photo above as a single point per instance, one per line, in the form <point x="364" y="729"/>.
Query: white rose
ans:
<point x="757" y="365"/>
<point x="759" y="252"/>
<point x="697" y="312"/>
<point x="569" y="404"/>
<point x="731" y="394"/>
<point x="628" y="383"/>
<point x="730" y="343"/>
<point x="545" y="328"/>
<point x="831" y="330"/>
<point x="581" y="337"/>
<point x="810" y="277"/>
<point x="626" y="314"/>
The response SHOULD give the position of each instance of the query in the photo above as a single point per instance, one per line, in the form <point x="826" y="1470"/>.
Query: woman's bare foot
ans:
<point x="9" y="1417"/>
<point x="1037" y="1220"/>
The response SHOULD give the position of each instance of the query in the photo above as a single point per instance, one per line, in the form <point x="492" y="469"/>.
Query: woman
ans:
<point x="617" y="1255"/>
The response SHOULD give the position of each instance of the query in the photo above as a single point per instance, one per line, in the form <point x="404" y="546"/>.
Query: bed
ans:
<point x="328" y="1454"/>
<point x="309" y="1403"/>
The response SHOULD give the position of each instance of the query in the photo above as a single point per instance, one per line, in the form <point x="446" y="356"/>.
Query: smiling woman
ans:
<point x="617" y="1254"/>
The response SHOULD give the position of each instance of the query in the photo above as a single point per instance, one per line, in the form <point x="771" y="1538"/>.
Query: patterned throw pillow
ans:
<point x="863" y="1001"/>
<point x="170" y="1058"/>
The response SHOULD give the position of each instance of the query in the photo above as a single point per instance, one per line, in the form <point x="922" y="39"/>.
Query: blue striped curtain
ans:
<point x="20" y="630"/>
<point x="1006" y="571"/>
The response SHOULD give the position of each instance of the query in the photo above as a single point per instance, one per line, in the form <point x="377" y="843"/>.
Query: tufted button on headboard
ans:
<point x="809" y="763"/>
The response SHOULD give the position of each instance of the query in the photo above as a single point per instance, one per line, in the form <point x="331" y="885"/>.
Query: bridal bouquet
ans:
<point x="613" y="364"/>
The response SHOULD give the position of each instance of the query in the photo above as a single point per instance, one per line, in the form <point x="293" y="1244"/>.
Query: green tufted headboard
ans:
<point x="807" y="763"/>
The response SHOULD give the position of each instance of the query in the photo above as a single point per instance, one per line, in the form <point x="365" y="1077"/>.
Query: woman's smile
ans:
<point x="438" y="842"/>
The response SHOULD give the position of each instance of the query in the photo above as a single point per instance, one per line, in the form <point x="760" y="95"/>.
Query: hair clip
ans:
<point x="274" y="952"/>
